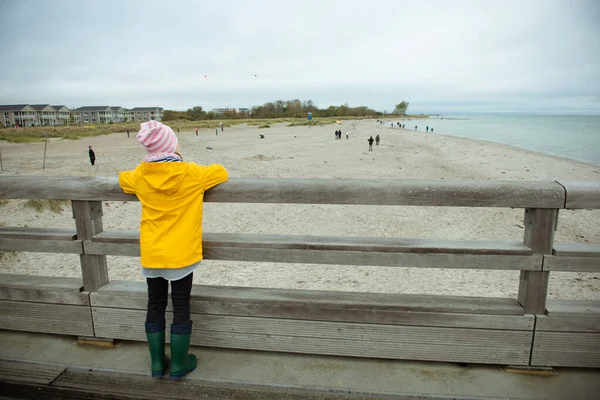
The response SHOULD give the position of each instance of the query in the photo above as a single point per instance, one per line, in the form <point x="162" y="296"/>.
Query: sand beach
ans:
<point x="300" y="152"/>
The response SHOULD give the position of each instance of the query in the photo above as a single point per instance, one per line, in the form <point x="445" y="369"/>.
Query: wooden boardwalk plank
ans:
<point x="567" y="324"/>
<point x="110" y="318"/>
<point x="43" y="289"/>
<point x="360" y="340"/>
<point x="566" y="349"/>
<point x="34" y="373"/>
<point x="46" y="318"/>
<point x="132" y="295"/>
<point x="573" y="308"/>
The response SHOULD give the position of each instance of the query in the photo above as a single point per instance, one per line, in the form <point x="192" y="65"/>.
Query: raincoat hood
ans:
<point x="164" y="177"/>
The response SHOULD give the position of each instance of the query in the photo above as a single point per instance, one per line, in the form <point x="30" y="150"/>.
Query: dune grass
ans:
<point x="264" y="126"/>
<point x="54" y="206"/>
<point x="76" y="132"/>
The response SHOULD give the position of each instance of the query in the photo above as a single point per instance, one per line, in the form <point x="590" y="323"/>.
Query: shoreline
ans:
<point x="513" y="147"/>
<point x="300" y="152"/>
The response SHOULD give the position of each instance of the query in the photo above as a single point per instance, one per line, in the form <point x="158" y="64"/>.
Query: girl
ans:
<point x="171" y="192"/>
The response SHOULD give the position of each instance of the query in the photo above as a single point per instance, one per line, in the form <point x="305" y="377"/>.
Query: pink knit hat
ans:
<point x="157" y="138"/>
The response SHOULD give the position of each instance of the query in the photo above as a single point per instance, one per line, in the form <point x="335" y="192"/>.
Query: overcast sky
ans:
<point x="452" y="56"/>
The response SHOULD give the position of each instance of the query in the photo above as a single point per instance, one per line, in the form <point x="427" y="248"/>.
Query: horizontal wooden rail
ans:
<point x="45" y="240"/>
<point x="574" y="257"/>
<point x="522" y="194"/>
<point x="391" y="252"/>
<point x="584" y="194"/>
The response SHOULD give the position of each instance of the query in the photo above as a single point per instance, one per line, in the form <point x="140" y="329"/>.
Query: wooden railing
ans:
<point x="529" y="330"/>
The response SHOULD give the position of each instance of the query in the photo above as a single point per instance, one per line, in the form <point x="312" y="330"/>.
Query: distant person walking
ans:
<point x="221" y="127"/>
<point x="177" y="130"/>
<point x="427" y="128"/>
<point x="217" y="132"/>
<point x="415" y="127"/>
<point x="431" y="130"/>
<point x="377" y="140"/>
<point x="346" y="135"/>
<point x="92" y="155"/>
<point x="196" y="129"/>
<point x="370" y="140"/>
<point x="127" y="132"/>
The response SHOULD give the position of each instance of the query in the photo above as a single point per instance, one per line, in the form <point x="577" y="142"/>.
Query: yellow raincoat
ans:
<point x="171" y="194"/>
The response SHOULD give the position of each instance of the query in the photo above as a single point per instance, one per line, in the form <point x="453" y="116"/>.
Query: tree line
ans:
<point x="280" y="109"/>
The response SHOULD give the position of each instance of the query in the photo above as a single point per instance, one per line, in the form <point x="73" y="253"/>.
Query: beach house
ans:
<point x="18" y="114"/>
<point x="142" y="114"/>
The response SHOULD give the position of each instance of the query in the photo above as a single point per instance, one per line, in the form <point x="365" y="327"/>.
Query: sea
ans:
<point x="573" y="137"/>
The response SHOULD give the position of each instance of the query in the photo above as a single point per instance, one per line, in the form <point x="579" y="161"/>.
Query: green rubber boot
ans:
<point x="182" y="362"/>
<point x="156" y="346"/>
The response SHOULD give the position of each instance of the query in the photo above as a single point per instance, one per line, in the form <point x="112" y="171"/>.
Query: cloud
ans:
<point x="436" y="54"/>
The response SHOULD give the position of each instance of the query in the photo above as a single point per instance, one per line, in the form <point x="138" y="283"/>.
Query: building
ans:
<point x="49" y="115"/>
<point x="63" y="115"/>
<point x="94" y="115"/>
<point x="34" y="115"/>
<point x="45" y="115"/>
<point x="221" y="111"/>
<point x="118" y="114"/>
<point x="18" y="114"/>
<point x="143" y="114"/>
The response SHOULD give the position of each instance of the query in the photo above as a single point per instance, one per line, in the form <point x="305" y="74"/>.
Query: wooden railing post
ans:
<point x="540" y="224"/>
<point x="88" y="221"/>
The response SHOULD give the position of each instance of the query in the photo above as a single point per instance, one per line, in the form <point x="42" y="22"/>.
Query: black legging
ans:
<point x="158" y="295"/>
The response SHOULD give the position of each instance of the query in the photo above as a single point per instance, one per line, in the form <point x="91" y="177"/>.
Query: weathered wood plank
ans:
<point x="41" y="282"/>
<point x="34" y="373"/>
<point x="562" y="249"/>
<point x="37" y="233"/>
<point x="540" y="225"/>
<point x="85" y="384"/>
<point x="304" y="242"/>
<point x="360" y="340"/>
<point x="46" y="318"/>
<point x="572" y="264"/>
<point x="566" y="349"/>
<point x="129" y="294"/>
<point x="43" y="289"/>
<point x="341" y="257"/>
<point x="372" y="316"/>
<point x="312" y="191"/>
<point x="42" y="246"/>
<point x="582" y="194"/>
<point x="88" y="221"/>
<point x="573" y="308"/>
<point x="414" y="260"/>
<point x="332" y="313"/>
<point x="568" y="324"/>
